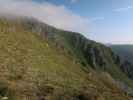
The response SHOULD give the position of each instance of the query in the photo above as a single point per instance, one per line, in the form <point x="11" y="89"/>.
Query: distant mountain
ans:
<point x="124" y="51"/>
<point x="40" y="62"/>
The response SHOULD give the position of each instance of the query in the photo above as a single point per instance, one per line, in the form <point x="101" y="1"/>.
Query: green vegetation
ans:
<point x="96" y="55"/>
<point x="38" y="62"/>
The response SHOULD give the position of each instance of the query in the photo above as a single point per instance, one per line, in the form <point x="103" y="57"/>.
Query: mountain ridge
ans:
<point x="44" y="63"/>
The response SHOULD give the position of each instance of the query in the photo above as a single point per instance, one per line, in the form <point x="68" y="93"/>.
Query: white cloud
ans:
<point x="56" y="15"/>
<point x="123" y="9"/>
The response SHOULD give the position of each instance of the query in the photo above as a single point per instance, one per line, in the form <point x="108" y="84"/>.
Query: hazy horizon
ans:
<point x="106" y="21"/>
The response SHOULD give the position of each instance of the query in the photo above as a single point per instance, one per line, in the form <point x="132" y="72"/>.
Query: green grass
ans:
<point x="76" y="44"/>
<point x="24" y="55"/>
<point x="32" y="67"/>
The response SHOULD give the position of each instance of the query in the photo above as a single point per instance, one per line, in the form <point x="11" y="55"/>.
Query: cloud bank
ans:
<point x="56" y="15"/>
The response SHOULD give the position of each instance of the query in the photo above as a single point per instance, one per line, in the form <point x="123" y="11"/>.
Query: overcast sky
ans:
<point x="107" y="21"/>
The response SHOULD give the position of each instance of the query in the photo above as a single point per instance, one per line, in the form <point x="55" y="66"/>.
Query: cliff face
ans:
<point x="125" y="52"/>
<point x="39" y="62"/>
<point x="95" y="54"/>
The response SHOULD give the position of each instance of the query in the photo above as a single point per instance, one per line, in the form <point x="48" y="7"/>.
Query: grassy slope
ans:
<point x="106" y="54"/>
<point x="34" y="68"/>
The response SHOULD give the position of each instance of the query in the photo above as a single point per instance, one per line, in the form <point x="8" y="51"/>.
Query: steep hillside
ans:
<point x="87" y="52"/>
<point x="98" y="56"/>
<point x="124" y="51"/>
<point x="39" y="62"/>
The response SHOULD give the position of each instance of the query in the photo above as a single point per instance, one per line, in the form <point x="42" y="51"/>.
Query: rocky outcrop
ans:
<point x="127" y="68"/>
